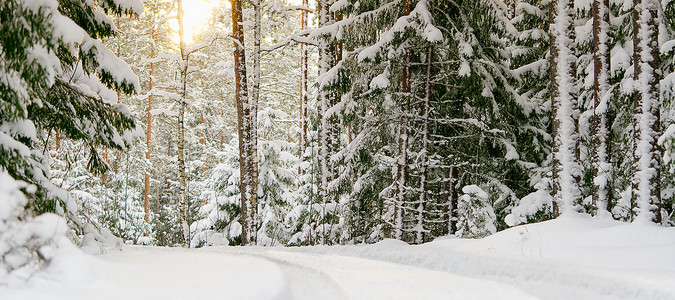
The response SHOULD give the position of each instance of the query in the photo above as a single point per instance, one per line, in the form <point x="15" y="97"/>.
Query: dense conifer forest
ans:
<point x="192" y="123"/>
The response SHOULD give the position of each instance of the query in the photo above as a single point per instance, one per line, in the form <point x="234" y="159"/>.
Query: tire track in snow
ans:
<point x="306" y="283"/>
<point x="316" y="285"/>
<point x="542" y="279"/>
<point x="362" y="278"/>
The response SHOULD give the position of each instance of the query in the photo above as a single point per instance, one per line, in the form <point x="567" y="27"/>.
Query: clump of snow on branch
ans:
<point x="26" y="244"/>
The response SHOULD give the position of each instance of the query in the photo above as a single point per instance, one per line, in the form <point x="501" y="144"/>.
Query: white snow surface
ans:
<point x="572" y="257"/>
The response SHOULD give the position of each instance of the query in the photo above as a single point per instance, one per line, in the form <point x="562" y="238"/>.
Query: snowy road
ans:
<point x="576" y="258"/>
<point x="264" y="273"/>
<point x="357" y="278"/>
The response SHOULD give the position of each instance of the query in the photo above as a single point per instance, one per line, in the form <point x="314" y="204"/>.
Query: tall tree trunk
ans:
<point x="446" y="206"/>
<point x="555" y="125"/>
<point x="454" y="198"/>
<point x="254" y="116"/>
<point x="402" y="165"/>
<point x="423" y="155"/>
<point x="104" y="177"/>
<point x="602" y="196"/>
<point x="244" y="124"/>
<point x="202" y="135"/>
<point x="182" y="197"/>
<point x="303" y="87"/>
<point x="148" y="143"/>
<point x="566" y="168"/>
<point x="57" y="140"/>
<point x="646" y="202"/>
<point x="328" y="123"/>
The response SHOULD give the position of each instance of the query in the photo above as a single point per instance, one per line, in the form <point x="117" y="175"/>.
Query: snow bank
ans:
<point x="26" y="244"/>
<point x="148" y="273"/>
<point x="582" y="240"/>
<point x="573" y="257"/>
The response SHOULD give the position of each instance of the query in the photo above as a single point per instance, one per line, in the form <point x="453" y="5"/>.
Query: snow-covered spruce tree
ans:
<point x="592" y="80"/>
<point x="667" y="140"/>
<point x="621" y="108"/>
<point x="358" y="171"/>
<point x="56" y="75"/>
<point x="114" y="203"/>
<point x="530" y="62"/>
<point x="476" y="216"/>
<point x="313" y="220"/>
<point x="116" y="199"/>
<point x="220" y="217"/>
<point x="474" y="115"/>
<point x="374" y="126"/>
<point x="329" y="126"/>
<point x="486" y="127"/>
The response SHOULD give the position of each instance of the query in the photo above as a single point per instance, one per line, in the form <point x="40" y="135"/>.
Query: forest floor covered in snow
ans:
<point x="573" y="257"/>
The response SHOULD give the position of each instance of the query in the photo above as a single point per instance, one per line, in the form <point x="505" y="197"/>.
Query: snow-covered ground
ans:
<point x="574" y="257"/>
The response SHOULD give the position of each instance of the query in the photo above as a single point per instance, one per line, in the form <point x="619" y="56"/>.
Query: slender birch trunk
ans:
<point x="182" y="197"/>
<point x="254" y="117"/>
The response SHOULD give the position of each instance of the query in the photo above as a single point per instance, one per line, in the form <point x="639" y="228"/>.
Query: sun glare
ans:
<point x="198" y="14"/>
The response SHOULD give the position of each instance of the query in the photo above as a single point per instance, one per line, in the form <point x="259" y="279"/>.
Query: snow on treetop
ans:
<point x="419" y="18"/>
<point x="475" y="190"/>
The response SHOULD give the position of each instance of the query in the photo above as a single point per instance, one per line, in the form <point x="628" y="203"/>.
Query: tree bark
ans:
<point x="424" y="158"/>
<point x="646" y="196"/>
<point x="566" y="169"/>
<point x="602" y="196"/>
<point x="243" y="122"/>
<point x="454" y="199"/>
<point x="304" y="55"/>
<point x="402" y="166"/>
<point x="182" y="197"/>
<point x="328" y="126"/>
<point x="254" y="117"/>
<point x="148" y="142"/>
